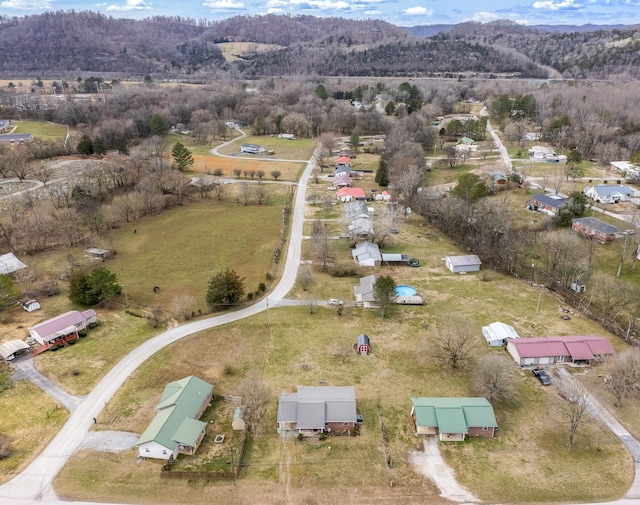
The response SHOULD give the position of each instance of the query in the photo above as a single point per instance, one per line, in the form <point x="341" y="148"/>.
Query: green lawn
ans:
<point x="42" y="129"/>
<point x="298" y="149"/>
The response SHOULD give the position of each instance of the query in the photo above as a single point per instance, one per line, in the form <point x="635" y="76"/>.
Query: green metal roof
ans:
<point x="454" y="415"/>
<point x="174" y="422"/>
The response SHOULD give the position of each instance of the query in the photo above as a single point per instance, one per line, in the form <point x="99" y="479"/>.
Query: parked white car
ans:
<point x="335" y="301"/>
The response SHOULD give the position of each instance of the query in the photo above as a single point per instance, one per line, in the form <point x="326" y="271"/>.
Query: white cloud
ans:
<point x="223" y="5"/>
<point x="555" y="5"/>
<point x="417" y="11"/>
<point x="485" y="17"/>
<point x="322" y="4"/>
<point x="372" y="13"/>
<point x="130" y="5"/>
<point x="274" y="10"/>
<point x="26" y="5"/>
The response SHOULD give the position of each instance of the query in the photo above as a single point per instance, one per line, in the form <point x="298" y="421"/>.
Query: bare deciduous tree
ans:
<point x="275" y="174"/>
<point x="456" y="341"/>
<point x="245" y="193"/>
<point x="623" y="375"/>
<point x="321" y="247"/>
<point x="493" y="378"/>
<point x="255" y="400"/>
<point x="305" y="275"/>
<point x="262" y="195"/>
<point x="574" y="408"/>
<point x="183" y="306"/>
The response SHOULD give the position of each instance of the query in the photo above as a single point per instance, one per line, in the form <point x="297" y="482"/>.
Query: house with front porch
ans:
<point x="550" y="350"/>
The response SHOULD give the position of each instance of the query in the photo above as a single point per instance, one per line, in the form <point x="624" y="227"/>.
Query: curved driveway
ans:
<point x="34" y="484"/>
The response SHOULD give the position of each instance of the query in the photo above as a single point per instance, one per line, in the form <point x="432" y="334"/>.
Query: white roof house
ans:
<point x="604" y="193"/>
<point x="496" y="334"/>
<point x="367" y="254"/>
<point x="629" y="170"/>
<point x="460" y="264"/>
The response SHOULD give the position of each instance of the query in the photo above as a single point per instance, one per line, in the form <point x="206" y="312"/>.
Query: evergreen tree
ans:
<point x="384" y="293"/>
<point x="182" y="157"/>
<point x="321" y="91"/>
<point x="225" y="288"/>
<point x="157" y="125"/>
<point x="382" y="174"/>
<point x="101" y="285"/>
<point x="85" y="146"/>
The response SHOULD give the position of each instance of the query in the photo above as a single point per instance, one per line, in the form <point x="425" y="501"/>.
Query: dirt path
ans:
<point x="430" y="464"/>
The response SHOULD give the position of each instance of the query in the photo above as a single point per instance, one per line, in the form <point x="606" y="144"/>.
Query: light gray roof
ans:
<point x="354" y="208"/>
<point x="365" y="288"/>
<point x="11" y="347"/>
<point x="596" y="224"/>
<point x="459" y="261"/>
<point x="499" y="331"/>
<point x="313" y="406"/>
<point x="366" y="250"/>
<point x="9" y="264"/>
<point x="396" y="258"/>
<point x="363" y="340"/>
<point x="606" y="190"/>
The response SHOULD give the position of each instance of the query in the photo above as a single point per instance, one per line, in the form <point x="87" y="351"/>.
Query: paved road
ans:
<point x="34" y="483"/>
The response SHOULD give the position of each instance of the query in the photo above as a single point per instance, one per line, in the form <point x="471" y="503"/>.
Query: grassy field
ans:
<point x="232" y="51"/>
<point x="31" y="418"/>
<point x="298" y="149"/>
<point x="403" y="364"/>
<point x="42" y="129"/>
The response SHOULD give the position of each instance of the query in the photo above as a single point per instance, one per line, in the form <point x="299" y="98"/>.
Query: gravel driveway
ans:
<point x="430" y="464"/>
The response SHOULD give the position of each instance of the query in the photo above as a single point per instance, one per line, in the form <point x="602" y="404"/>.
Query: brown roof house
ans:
<point x="591" y="227"/>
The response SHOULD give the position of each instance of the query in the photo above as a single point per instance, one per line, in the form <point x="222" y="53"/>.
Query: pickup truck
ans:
<point x="542" y="376"/>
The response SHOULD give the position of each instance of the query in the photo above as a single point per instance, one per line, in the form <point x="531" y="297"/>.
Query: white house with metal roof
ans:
<point x="317" y="409"/>
<point x="176" y="428"/>
<point x="62" y="326"/>
<point x="615" y="193"/>
<point x="367" y="254"/>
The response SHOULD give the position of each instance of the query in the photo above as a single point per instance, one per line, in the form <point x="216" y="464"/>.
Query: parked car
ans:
<point x="542" y="376"/>
<point x="414" y="262"/>
<point x="335" y="301"/>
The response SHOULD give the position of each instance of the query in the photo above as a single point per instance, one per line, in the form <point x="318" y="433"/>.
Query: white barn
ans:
<point x="496" y="334"/>
<point x="463" y="264"/>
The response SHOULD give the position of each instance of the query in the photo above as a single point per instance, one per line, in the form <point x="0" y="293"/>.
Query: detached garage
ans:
<point x="496" y="334"/>
<point x="463" y="264"/>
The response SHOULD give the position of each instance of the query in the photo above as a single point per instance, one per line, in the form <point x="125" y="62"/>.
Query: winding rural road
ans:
<point x="34" y="484"/>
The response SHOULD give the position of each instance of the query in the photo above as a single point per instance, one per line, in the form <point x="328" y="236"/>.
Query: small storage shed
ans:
<point x="30" y="305"/>
<point x="460" y="264"/>
<point x="98" y="253"/>
<point x="363" y="345"/>
<point x="11" y="349"/>
<point x="238" y="423"/>
<point x="496" y="334"/>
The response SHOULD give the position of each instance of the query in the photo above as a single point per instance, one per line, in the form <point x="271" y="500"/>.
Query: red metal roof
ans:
<point x="352" y="192"/>
<point x="343" y="160"/>
<point x="578" y="347"/>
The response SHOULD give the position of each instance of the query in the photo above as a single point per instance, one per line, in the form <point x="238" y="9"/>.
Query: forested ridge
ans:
<point x="59" y="42"/>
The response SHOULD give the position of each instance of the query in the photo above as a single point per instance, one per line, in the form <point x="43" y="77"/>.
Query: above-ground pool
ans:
<point x="406" y="291"/>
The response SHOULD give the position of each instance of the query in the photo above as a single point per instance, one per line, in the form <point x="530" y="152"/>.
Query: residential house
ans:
<point x="355" y="208"/>
<point x="463" y="264"/>
<point x="16" y="138"/>
<point x="363" y="345"/>
<point x="498" y="179"/>
<point x="176" y="428"/>
<point x="342" y="170"/>
<point x="252" y="149"/>
<point x="361" y="228"/>
<point x="350" y="194"/>
<point x="384" y="196"/>
<point x="367" y="254"/>
<point x="364" y="293"/>
<point x="318" y="409"/>
<point x="542" y="153"/>
<point x="238" y="424"/>
<point x="496" y="334"/>
<point x="604" y="193"/>
<point x="593" y="228"/>
<point x="452" y="419"/>
<point x="548" y="204"/>
<point x="550" y="350"/>
<point x="10" y="264"/>
<point x="532" y="136"/>
<point x="342" y="181"/>
<point x="629" y="170"/>
<point x="10" y="350"/>
<point x="64" y="328"/>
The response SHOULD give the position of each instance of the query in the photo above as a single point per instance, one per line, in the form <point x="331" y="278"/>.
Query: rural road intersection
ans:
<point x="34" y="484"/>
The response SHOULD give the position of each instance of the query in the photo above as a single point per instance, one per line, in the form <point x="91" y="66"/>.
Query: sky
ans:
<point x="398" y="12"/>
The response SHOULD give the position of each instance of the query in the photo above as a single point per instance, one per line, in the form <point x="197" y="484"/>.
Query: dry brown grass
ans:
<point x="31" y="419"/>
